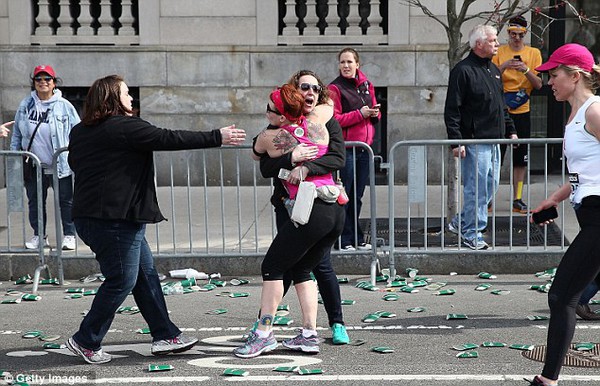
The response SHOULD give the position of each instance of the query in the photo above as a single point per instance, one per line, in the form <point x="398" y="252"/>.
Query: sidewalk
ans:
<point x="229" y="229"/>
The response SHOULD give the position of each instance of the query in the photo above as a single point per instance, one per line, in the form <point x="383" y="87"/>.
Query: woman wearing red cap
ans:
<point x="297" y="249"/>
<point x="43" y="123"/>
<point x="574" y="78"/>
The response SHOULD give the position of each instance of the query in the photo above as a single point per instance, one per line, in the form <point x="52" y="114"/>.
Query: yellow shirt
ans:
<point x="514" y="80"/>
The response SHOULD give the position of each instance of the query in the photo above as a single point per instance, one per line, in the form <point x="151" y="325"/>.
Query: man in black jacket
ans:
<point x="475" y="109"/>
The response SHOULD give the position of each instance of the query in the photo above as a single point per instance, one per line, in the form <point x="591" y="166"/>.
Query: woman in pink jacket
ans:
<point x="357" y="111"/>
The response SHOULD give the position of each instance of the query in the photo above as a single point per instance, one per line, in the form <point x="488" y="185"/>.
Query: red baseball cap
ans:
<point x="44" y="68"/>
<point x="571" y="54"/>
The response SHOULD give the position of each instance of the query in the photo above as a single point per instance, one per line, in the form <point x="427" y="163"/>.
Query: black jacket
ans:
<point x="475" y="107"/>
<point x="114" y="167"/>
<point x="333" y="160"/>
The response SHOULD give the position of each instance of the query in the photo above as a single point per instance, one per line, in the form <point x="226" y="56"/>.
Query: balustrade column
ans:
<point x="311" y="19"/>
<point x="44" y="19"/>
<point x="85" y="19"/>
<point x="105" y="19"/>
<point x="126" y="19"/>
<point x="353" y="19"/>
<point x="332" y="19"/>
<point x="290" y="19"/>
<point x="65" y="19"/>
<point x="375" y="19"/>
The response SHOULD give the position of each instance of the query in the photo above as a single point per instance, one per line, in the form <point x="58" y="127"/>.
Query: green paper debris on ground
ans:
<point x="524" y="347"/>
<point x="348" y="302"/>
<point x="343" y="280"/>
<point x="32" y="334"/>
<point x="53" y="346"/>
<point x="411" y="272"/>
<point x="11" y="301"/>
<point x="235" y="372"/>
<point x="456" y="316"/>
<point x="585" y="346"/>
<point x="493" y="344"/>
<point x="239" y="281"/>
<point x="416" y="309"/>
<point x="282" y="321"/>
<point x="500" y="292"/>
<point x="486" y="275"/>
<point x="370" y="318"/>
<point x="435" y="286"/>
<point x="239" y="295"/>
<point x="382" y="349"/>
<point x="285" y="369"/>
<point x="217" y="311"/>
<point x="30" y="297"/>
<point x="49" y="338"/>
<point x="409" y="289"/>
<point x="390" y="297"/>
<point x="385" y="314"/>
<point x="143" y="331"/>
<point x="303" y="371"/>
<point x="468" y="354"/>
<point x="483" y="287"/>
<point x="152" y="368"/>
<point x="466" y="346"/>
<point x="445" y="292"/>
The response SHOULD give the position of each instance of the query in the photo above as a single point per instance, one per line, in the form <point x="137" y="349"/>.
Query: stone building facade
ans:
<point x="202" y="64"/>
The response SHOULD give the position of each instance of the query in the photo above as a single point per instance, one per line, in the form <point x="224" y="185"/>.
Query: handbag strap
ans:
<point x="34" y="132"/>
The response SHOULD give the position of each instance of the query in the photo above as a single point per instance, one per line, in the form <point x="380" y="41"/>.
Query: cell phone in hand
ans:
<point x="517" y="57"/>
<point x="544" y="215"/>
<point x="377" y="106"/>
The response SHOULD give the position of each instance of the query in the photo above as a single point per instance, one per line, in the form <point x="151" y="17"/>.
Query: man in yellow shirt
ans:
<point x="517" y="62"/>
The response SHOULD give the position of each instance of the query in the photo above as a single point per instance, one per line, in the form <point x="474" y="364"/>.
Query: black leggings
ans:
<point x="329" y="288"/>
<point x="579" y="266"/>
<point x="299" y="249"/>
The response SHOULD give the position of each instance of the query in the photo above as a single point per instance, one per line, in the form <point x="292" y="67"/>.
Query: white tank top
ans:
<point x="582" y="150"/>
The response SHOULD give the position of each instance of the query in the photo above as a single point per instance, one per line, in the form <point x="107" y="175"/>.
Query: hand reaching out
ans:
<point x="232" y="136"/>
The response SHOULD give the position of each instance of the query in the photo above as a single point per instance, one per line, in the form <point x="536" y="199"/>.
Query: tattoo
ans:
<point x="308" y="327"/>
<point x="284" y="141"/>
<point x="315" y="132"/>
<point x="266" y="320"/>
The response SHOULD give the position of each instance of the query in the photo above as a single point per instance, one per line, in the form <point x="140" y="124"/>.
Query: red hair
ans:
<point x="289" y="102"/>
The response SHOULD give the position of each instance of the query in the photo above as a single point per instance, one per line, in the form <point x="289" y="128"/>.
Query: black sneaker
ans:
<point x="519" y="206"/>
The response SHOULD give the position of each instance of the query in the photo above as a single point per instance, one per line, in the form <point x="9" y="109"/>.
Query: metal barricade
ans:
<point x="214" y="208"/>
<point x="15" y="203"/>
<point x="431" y="219"/>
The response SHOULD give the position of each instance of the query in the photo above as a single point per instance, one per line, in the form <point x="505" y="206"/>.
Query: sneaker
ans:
<point x="585" y="312"/>
<point x="453" y="228"/>
<point x="34" y="243"/>
<point x="302" y="343"/>
<point x="255" y="345"/>
<point x="68" y="243"/>
<point x="519" y="206"/>
<point x="180" y="343"/>
<point x="476" y="243"/>
<point x="339" y="334"/>
<point x="90" y="356"/>
<point x="348" y="248"/>
<point x="364" y="247"/>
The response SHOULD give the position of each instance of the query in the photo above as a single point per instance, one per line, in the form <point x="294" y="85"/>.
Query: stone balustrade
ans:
<point x="80" y="22"/>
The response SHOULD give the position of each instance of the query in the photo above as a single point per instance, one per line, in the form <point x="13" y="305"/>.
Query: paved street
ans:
<point x="422" y="341"/>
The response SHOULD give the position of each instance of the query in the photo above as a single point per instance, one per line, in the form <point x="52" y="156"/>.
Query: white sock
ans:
<point x="262" y="333"/>
<point x="308" y="333"/>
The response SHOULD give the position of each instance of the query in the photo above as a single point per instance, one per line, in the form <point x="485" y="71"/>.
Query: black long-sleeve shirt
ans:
<point x="475" y="107"/>
<point x="114" y="167"/>
<point x="333" y="160"/>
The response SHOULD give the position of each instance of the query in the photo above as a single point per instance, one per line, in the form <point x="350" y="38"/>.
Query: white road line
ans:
<point x="406" y="377"/>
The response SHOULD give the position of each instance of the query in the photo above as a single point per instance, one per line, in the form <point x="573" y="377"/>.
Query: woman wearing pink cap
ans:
<point x="43" y="122"/>
<point x="574" y="78"/>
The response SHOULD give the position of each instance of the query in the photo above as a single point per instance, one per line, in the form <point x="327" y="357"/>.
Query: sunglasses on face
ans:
<point x="515" y="34"/>
<point x="43" y="78"/>
<point x="270" y="110"/>
<point x="307" y="86"/>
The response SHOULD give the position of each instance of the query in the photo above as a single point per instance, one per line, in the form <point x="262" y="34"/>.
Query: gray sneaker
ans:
<point x="301" y="343"/>
<point x="180" y="343"/>
<point x="90" y="356"/>
<point x="476" y="243"/>
<point x="255" y="345"/>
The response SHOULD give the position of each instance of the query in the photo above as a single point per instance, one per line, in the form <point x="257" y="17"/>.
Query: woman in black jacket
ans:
<point x="114" y="198"/>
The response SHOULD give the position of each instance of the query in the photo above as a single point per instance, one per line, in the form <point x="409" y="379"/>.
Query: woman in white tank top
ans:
<point x="574" y="78"/>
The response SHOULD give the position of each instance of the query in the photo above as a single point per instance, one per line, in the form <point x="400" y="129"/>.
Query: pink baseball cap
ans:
<point x="571" y="54"/>
<point x="44" y="68"/>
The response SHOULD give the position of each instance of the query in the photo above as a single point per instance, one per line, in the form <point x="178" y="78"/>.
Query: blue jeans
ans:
<point x="589" y="292"/>
<point x="357" y="162"/>
<point x="126" y="262"/>
<point x="65" y="198"/>
<point x="481" y="176"/>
